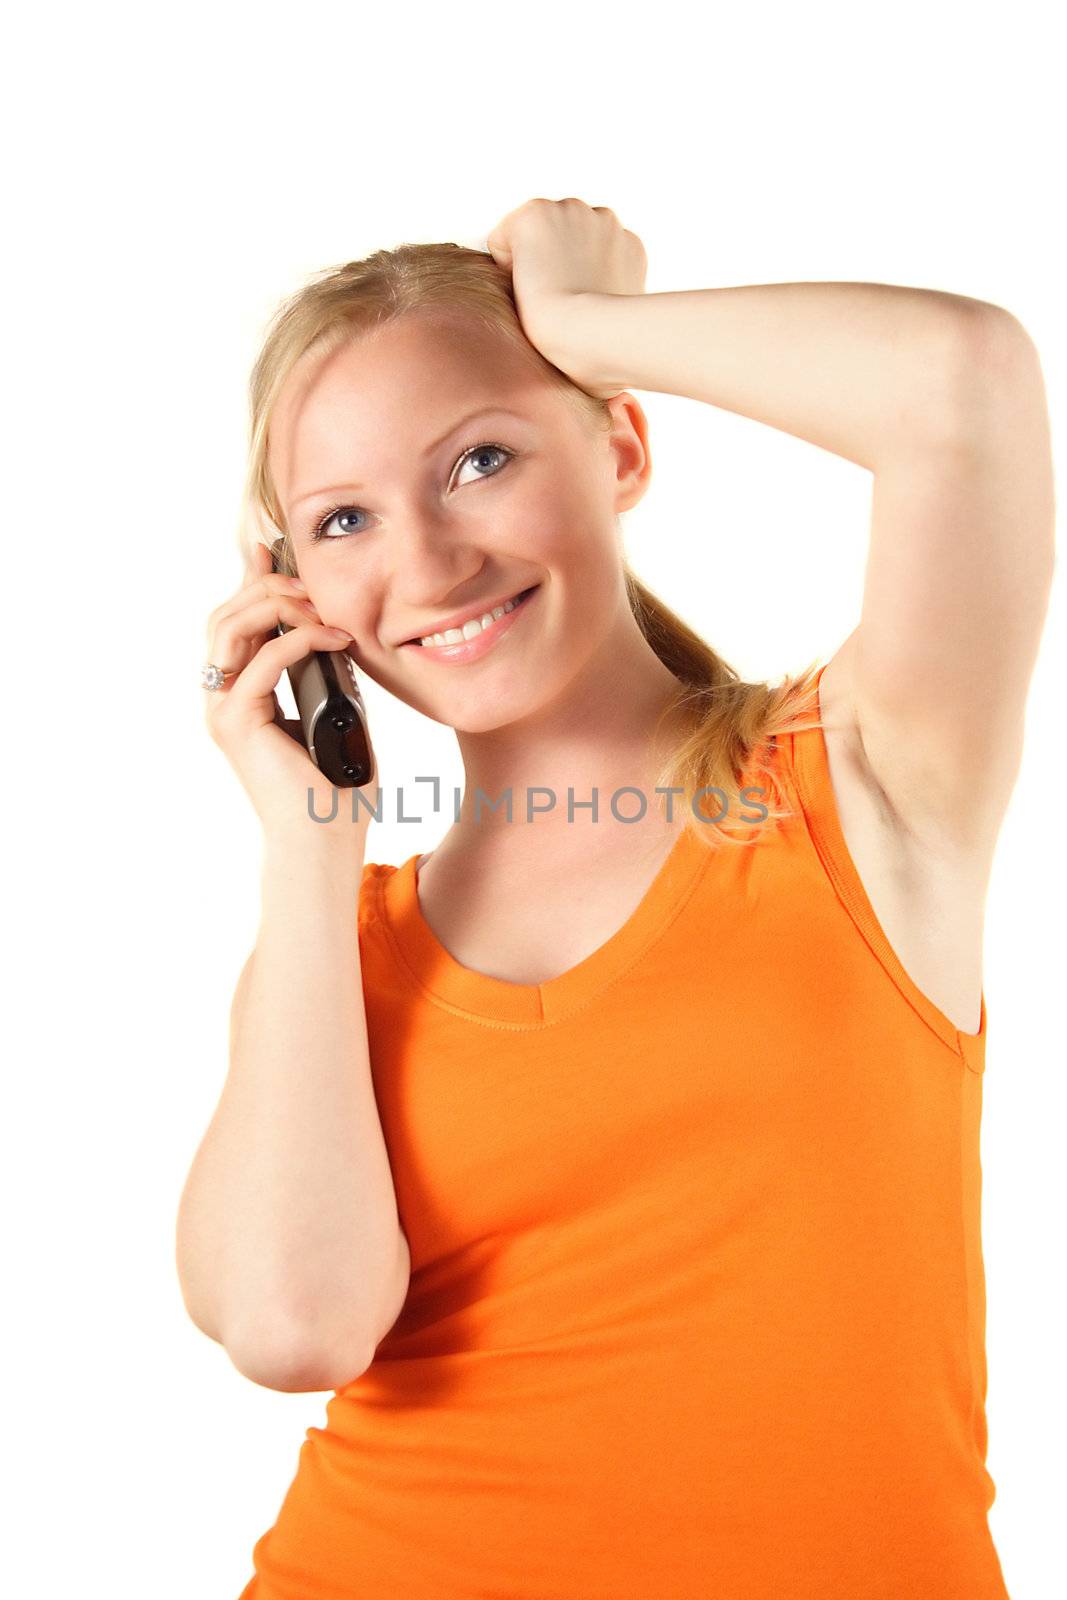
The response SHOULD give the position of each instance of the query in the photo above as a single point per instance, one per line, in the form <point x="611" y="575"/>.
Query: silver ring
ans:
<point x="213" y="677"/>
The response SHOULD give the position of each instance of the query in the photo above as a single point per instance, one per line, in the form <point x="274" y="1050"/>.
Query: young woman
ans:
<point x="618" y="1165"/>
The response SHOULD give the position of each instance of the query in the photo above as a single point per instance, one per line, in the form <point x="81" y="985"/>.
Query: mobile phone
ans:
<point x="333" y="718"/>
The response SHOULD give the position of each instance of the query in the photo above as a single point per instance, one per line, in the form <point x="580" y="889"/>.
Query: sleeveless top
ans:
<point x="697" y="1302"/>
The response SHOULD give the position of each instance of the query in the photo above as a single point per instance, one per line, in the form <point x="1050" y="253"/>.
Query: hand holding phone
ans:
<point x="266" y="627"/>
<point x="333" y="718"/>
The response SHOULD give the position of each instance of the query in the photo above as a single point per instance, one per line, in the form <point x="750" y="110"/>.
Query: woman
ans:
<point x="620" y="1176"/>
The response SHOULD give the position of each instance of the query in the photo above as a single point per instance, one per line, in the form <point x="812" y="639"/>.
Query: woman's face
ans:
<point x="398" y="529"/>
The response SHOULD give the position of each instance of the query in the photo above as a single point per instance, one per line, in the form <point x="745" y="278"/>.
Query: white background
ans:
<point x="171" y="176"/>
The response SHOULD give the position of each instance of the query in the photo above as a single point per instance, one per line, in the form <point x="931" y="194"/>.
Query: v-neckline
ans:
<point x="498" y="1001"/>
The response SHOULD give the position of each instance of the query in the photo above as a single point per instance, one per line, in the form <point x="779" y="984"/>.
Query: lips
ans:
<point x="470" y="616"/>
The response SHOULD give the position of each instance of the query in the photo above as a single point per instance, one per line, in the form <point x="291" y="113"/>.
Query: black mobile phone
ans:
<point x="333" y="718"/>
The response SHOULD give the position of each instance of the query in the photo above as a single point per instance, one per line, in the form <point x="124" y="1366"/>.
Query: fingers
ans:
<point x="242" y="625"/>
<point x="259" y="564"/>
<point x="257" y="560"/>
<point x="240" y="632"/>
<point x="258" y="586"/>
<point x="258" y="680"/>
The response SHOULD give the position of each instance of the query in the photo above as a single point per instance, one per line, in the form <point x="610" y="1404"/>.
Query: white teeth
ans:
<point x="469" y="629"/>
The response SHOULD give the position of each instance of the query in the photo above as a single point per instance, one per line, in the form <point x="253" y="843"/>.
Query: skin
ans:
<point x="570" y="697"/>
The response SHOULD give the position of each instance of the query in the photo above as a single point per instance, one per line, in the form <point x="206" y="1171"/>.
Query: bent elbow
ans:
<point x="292" y="1363"/>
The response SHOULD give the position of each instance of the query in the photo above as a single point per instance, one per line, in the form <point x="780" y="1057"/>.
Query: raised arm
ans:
<point x="941" y="397"/>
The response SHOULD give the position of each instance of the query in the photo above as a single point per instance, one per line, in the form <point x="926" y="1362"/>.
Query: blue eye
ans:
<point x="319" y="530"/>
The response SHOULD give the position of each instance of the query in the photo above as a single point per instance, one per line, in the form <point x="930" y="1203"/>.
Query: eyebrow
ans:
<point x="357" y="488"/>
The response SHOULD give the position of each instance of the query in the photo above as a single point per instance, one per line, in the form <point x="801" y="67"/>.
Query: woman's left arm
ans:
<point x="942" y="398"/>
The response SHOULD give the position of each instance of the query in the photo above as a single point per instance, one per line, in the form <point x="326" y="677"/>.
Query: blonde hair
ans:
<point x="730" y="728"/>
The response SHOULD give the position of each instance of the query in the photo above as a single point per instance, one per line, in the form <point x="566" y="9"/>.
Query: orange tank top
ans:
<point x="697" y="1303"/>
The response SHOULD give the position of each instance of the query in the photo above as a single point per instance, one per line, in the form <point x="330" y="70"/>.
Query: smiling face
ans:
<point x="428" y="474"/>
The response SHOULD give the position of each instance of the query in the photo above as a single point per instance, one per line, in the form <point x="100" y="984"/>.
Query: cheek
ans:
<point x="564" y="534"/>
<point x="587" y="557"/>
<point x="355" y="597"/>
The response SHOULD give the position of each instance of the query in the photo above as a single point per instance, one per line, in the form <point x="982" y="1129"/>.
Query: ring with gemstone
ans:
<point x="214" y="677"/>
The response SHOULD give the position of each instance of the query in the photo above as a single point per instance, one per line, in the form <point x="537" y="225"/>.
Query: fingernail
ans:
<point x="299" y="584"/>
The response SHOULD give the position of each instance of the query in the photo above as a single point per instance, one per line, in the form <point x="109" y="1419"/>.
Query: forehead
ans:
<point x="379" y="396"/>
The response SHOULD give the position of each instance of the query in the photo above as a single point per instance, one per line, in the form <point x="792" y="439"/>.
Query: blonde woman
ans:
<point x="616" y="1164"/>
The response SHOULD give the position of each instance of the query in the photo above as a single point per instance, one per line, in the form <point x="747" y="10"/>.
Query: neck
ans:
<point x="606" y="731"/>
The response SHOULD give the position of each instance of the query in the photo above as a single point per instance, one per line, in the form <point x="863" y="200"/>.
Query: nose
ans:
<point x="431" y="560"/>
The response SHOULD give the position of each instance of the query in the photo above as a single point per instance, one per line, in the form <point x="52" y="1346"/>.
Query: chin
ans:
<point x="492" y="712"/>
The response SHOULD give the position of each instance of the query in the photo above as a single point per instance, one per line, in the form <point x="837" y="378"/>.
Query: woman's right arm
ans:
<point x="290" y="1250"/>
